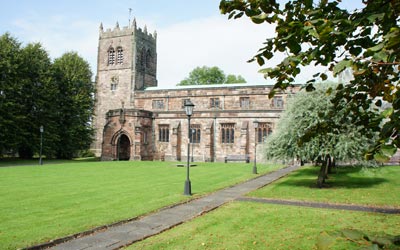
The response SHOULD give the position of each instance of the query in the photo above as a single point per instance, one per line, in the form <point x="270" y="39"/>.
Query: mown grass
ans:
<point x="41" y="203"/>
<point x="350" y="185"/>
<point x="248" y="225"/>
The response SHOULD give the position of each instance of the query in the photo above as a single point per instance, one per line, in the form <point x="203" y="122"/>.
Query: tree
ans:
<point x="10" y="86"/>
<point x="234" y="79"/>
<point x="74" y="104"/>
<point x="367" y="41"/>
<point x="209" y="75"/>
<point x="313" y="128"/>
<point x="36" y="98"/>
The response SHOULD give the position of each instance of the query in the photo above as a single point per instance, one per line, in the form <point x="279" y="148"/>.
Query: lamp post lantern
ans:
<point x="41" y="129"/>
<point x="255" y="147"/>
<point x="189" y="106"/>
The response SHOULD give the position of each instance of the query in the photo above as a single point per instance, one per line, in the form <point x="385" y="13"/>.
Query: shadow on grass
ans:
<point x="341" y="178"/>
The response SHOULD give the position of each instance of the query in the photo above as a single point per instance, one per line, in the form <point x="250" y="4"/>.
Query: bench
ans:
<point x="184" y="165"/>
<point x="245" y="158"/>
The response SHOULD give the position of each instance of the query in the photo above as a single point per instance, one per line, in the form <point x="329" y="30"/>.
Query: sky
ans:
<point x="190" y="33"/>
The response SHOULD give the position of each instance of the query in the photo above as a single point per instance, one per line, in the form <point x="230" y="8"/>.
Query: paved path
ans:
<point x="125" y="234"/>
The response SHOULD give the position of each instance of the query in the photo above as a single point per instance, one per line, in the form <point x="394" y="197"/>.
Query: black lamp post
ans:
<point x="255" y="147"/>
<point x="41" y="129"/>
<point x="189" y="106"/>
<point x="191" y="139"/>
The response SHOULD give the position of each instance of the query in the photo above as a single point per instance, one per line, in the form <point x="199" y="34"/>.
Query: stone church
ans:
<point x="136" y="120"/>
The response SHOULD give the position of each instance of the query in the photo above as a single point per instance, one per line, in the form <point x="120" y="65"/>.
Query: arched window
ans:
<point x="111" y="56"/>
<point x="120" y="55"/>
<point x="227" y="133"/>
<point x="264" y="129"/>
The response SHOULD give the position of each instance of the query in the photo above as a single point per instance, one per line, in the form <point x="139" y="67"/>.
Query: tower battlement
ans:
<point x="125" y="31"/>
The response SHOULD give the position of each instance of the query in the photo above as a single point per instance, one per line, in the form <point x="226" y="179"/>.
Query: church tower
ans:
<point x="126" y="62"/>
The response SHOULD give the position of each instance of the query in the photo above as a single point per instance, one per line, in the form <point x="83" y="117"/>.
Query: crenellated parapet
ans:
<point x="125" y="31"/>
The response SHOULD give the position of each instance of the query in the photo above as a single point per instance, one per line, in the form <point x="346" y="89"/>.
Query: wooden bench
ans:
<point x="245" y="158"/>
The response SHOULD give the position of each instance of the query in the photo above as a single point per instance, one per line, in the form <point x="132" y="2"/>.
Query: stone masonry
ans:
<point x="136" y="120"/>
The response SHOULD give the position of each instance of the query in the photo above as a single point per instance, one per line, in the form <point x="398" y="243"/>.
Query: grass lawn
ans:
<point x="40" y="203"/>
<point x="367" y="186"/>
<point x="248" y="225"/>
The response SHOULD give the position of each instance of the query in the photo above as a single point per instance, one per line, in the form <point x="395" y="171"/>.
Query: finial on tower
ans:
<point x="101" y="27"/>
<point x="117" y="25"/>
<point x="145" y="29"/>
<point x="129" y="21"/>
<point x="134" y="23"/>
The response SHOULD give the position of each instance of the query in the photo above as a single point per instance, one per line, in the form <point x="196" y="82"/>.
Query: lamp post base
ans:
<point x="254" y="170"/>
<point x="188" y="188"/>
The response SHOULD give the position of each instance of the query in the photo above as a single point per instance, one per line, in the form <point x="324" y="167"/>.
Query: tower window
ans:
<point x="120" y="55"/>
<point x="113" y="86"/>
<point x="111" y="56"/>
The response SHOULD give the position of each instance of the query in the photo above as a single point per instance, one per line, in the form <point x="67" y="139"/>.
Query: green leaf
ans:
<point x="377" y="47"/>
<point x="313" y="32"/>
<point x="381" y="158"/>
<point x="388" y="150"/>
<point x="324" y="241"/>
<point x="259" y="18"/>
<point x="339" y="67"/>
<point x="387" y="112"/>
<point x="352" y="234"/>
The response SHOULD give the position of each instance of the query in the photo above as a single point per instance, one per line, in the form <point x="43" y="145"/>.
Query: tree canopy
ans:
<point x="366" y="41"/>
<point x="35" y="92"/>
<point x="210" y="75"/>
<point x="312" y="127"/>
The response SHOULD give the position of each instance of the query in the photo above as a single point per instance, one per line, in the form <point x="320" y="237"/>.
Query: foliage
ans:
<point x="312" y="127"/>
<point x="75" y="104"/>
<point x="35" y="92"/>
<point x="62" y="198"/>
<point x="372" y="241"/>
<point x="367" y="41"/>
<point x="210" y="75"/>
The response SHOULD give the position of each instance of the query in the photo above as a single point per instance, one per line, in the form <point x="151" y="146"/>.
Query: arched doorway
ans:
<point x="124" y="148"/>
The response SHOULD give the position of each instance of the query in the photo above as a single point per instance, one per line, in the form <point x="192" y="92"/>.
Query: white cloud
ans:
<point x="59" y="35"/>
<point x="212" y="41"/>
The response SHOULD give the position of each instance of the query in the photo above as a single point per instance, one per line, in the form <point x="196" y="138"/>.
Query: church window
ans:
<point x="158" y="104"/>
<point x="163" y="133"/>
<point x="244" y="102"/>
<point x="195" y="133"/>
<point x="227" y="133"/>
<point x="263" y="130"/>
<point x="277" y="102"/>
<point x="120" y="55"/>
<point x="113" y="86"/>
<point x="214" y="103"/>
<point x="111" y="56"/>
